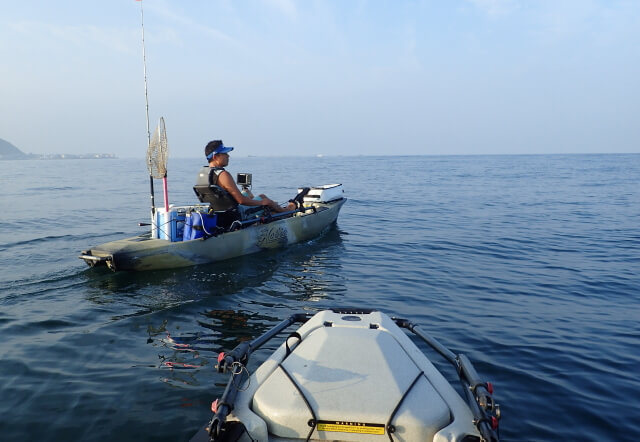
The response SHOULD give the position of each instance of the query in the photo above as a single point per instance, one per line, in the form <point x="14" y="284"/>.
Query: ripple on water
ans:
<point x="507" y="259"/>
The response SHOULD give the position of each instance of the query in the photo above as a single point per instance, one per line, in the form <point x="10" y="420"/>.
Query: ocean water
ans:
<point x="529" y="265"/>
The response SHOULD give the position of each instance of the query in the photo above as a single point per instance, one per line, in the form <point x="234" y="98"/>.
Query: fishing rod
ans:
<point x="146" y="99"/>
<point x="157" y="151"/>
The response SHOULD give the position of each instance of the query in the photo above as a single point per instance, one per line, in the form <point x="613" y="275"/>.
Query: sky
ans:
<point x="322" y="77"/>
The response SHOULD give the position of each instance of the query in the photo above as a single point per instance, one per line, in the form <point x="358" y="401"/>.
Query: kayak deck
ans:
<point x="348" y="375"/>
<point x="144" y="252"/>
<point x="356" y="381"/>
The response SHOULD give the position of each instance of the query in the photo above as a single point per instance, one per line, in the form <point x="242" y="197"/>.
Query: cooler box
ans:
<point x="168" y="225"/>
<point x="324" y="194"/>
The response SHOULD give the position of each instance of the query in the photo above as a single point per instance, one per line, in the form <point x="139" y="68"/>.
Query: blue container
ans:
<point x="198" y="224"/>
<point x="188" y="227"/>
<point x="170" y="225"/>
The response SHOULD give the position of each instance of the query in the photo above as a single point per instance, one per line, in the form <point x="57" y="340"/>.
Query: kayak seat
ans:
<point x="215" y="195"/>
<point x="220" y="203"/>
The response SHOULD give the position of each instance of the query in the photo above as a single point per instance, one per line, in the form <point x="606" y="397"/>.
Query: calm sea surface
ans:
<point x="530" y="265"/>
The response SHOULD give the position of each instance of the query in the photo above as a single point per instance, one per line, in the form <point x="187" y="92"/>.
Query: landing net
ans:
<point x="158" y="152"/>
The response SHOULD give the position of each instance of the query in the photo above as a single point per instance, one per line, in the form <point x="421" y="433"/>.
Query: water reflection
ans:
<point x="272" y="287"/>
<point x="192" y="314"/>
<point x="307" y="270"/>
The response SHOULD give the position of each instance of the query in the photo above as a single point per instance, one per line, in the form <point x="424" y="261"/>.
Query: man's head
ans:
<point x="215" y="147"/>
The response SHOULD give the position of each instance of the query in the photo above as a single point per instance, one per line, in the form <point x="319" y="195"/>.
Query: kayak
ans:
<point x="189" y="235"/>
<point x="349" y="375"/>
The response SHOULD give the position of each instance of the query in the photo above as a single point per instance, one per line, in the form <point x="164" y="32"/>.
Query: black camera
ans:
<point x="244" y="180"/>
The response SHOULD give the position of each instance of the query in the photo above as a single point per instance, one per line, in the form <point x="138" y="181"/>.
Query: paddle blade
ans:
<point x="158" y="152"/>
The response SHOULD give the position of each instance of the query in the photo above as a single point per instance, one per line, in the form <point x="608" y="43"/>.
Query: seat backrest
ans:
<point x="216" y="196"/>
<point x="208" y="191"/>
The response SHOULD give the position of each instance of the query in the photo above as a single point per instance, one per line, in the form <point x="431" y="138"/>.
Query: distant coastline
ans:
<point x="10" y="152"/>
<point x="66" y="156"/>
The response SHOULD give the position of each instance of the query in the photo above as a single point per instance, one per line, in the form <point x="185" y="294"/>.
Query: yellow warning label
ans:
<point x="350" y="427"/>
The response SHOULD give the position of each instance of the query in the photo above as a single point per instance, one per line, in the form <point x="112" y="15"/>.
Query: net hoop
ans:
<point x="158" y="152"/>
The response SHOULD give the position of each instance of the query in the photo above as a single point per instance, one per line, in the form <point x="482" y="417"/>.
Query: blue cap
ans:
<point x="215" y="147"/>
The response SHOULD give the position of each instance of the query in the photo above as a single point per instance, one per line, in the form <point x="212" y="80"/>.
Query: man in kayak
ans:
<point x="218" y="156"/>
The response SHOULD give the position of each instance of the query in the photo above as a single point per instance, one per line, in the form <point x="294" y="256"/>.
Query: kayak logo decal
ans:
<point x="350" y="427"/>
<point x="272" y="237"/>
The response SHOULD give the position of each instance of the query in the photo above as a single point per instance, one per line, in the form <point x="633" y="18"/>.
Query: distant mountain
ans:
<point x="10" y="152"/>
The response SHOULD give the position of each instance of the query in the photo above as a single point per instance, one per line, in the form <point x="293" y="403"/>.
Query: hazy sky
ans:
<point x="341" y="77"/>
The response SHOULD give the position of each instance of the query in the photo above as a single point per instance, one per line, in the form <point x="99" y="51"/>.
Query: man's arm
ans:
<point x="225" y="180"/>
